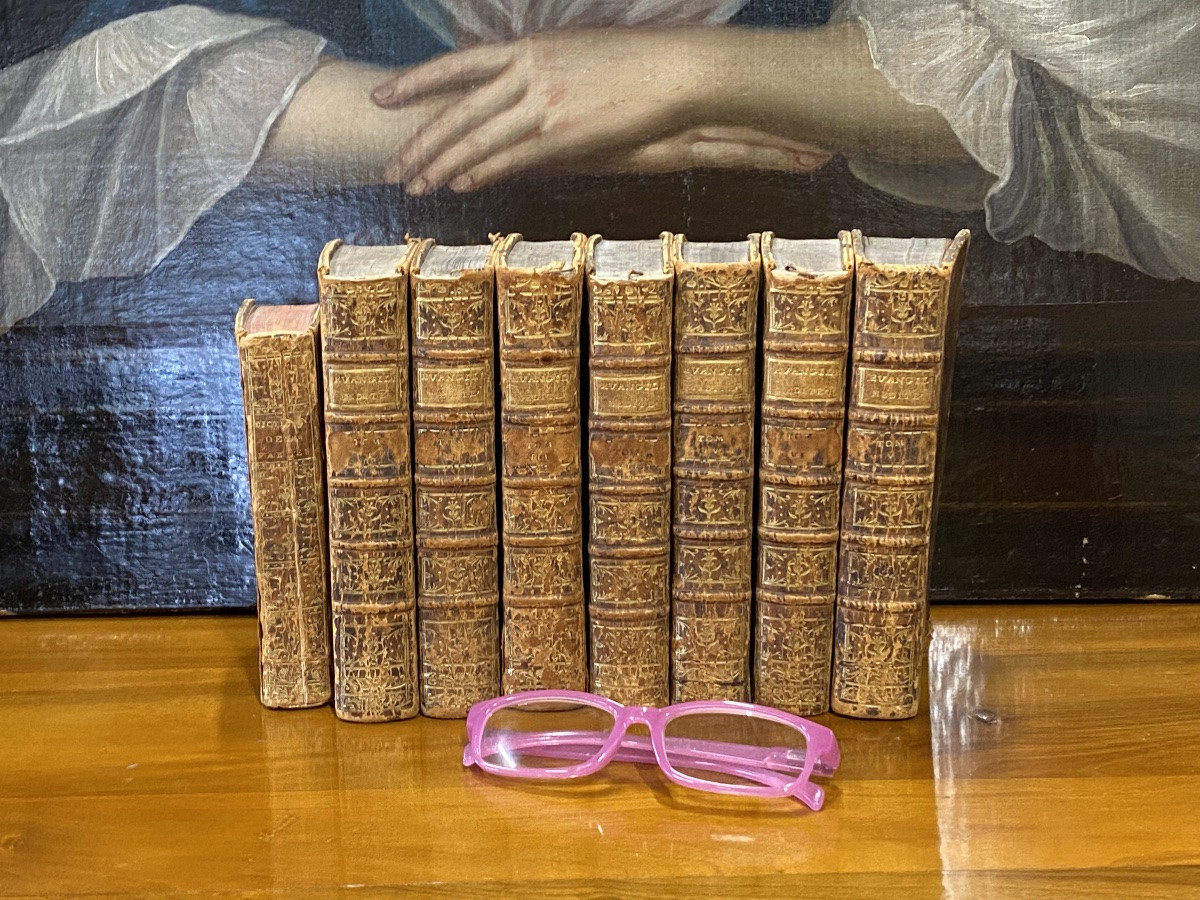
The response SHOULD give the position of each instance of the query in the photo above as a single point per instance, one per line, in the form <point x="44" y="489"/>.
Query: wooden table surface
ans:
<point x="1060" y="756"/>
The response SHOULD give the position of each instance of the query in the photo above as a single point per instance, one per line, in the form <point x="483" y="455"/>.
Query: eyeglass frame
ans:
<point x="821" y="753"/>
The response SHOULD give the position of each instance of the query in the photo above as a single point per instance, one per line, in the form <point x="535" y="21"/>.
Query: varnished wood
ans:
<point x="1057" y="758"/>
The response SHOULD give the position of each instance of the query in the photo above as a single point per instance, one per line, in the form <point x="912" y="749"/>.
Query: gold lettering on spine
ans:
<point x="544" y="388"/>
<point x="629" y="470"/>
<point x="714" y="379"/>
<point x="365" y="388"/>
<point x="453" y="387"/>
<point x="365" y="360"/>
<point x="814" y="380"/>
<point x="878" y="387"/>
<point x="626" y="394"/>
<point x="886" y="452"/>
<point x="455" y="469"/>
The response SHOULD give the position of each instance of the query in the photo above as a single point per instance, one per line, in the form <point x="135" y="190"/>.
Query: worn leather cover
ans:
<point x="629" y="475"/>
<point x="716" y="314"/>
<point x="279" y="363"/>
<point x="906" y="310"/>
<point x="454" y="474"/>
<point x="807" y="291"/>
<point x="544" y="635"/>
<point x="365" y="359"/>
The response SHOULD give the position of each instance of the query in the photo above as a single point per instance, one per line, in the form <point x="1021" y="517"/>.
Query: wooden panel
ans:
<point x="1057" y="758"/>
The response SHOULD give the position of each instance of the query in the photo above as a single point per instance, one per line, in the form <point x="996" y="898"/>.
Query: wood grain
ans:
<point x="1057" y="758"/>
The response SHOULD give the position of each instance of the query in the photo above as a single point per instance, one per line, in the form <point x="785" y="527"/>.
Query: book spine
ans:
<point x="543" y="637"/>
<point x="454" y="460"/>
<point x="806" y="339"/>
<point x="716" y="310"/>
<point x="287" y="506"/>
<point x="365" y="358"/>
<point x="629" y="496"/>
<point x="904" y="315"/>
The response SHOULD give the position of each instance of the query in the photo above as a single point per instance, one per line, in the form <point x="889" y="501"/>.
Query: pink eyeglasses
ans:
<point x="711" y="745"/>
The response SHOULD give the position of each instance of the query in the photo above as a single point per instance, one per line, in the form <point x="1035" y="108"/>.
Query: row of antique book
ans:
<point x="745" y="512"/>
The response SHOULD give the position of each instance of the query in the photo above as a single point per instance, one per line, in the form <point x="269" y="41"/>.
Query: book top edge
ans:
<point x="620" y="260"/>
<point x="809" y="257"/>
<point x="716" y="252"/>
<point x="442" y="261"/>
<point x="259" y="318"/>
<point x="350" y="261"/>
<point x="541" y="255"/>
<point x="905" y="251"/>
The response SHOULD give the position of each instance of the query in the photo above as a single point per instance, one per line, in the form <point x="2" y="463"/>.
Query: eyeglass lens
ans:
<point x="544" y="734"/>
<point x="732" y="748"/>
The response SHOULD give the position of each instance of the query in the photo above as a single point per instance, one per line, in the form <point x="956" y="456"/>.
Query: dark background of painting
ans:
<point x="1072" y="465"/>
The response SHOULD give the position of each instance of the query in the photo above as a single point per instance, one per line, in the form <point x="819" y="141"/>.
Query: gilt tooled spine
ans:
<point x="365" y="359"/>
<point x="806" y="339"/>
<point x="543" y="635"/>
<point x="716" y="312"/>
<point x="284" y="457"/>
<point x="629" y="485"/>
<point x="454" y="475"/>
<point x="904" y="324"/>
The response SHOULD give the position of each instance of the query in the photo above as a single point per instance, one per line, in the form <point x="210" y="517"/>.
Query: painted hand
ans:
<point x="548" y="100"/>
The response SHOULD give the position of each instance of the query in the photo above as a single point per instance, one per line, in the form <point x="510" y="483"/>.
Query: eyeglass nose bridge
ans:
<point x="649" y="716"/>
<point x="653" y="717"/>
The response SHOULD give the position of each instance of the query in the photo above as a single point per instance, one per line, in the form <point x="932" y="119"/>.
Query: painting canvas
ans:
<point x="161" y="161"/>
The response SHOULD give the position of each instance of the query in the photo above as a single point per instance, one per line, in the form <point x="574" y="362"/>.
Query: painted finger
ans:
<point x="520" y="157"/>
<point x="475" y="109"/>
<point x="463" y="68"/>
<point x="491" y="137"/>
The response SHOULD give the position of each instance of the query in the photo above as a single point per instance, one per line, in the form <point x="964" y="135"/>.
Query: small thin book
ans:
<point x="279" y="358"/>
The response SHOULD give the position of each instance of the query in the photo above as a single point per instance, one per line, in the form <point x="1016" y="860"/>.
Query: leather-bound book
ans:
<point x="629" y="468"/>
<point x="807" y="292"/>
<point x="539" y="292"/>
<point x="278" y="354"/>
<point x="908" y="293"/>
<point x="716" y="318"/>
<point x="365" y="357"/>
<point x="454" y="477"/>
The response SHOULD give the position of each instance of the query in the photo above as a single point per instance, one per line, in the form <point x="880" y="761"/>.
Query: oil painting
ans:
<point x="160" y="161"/>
